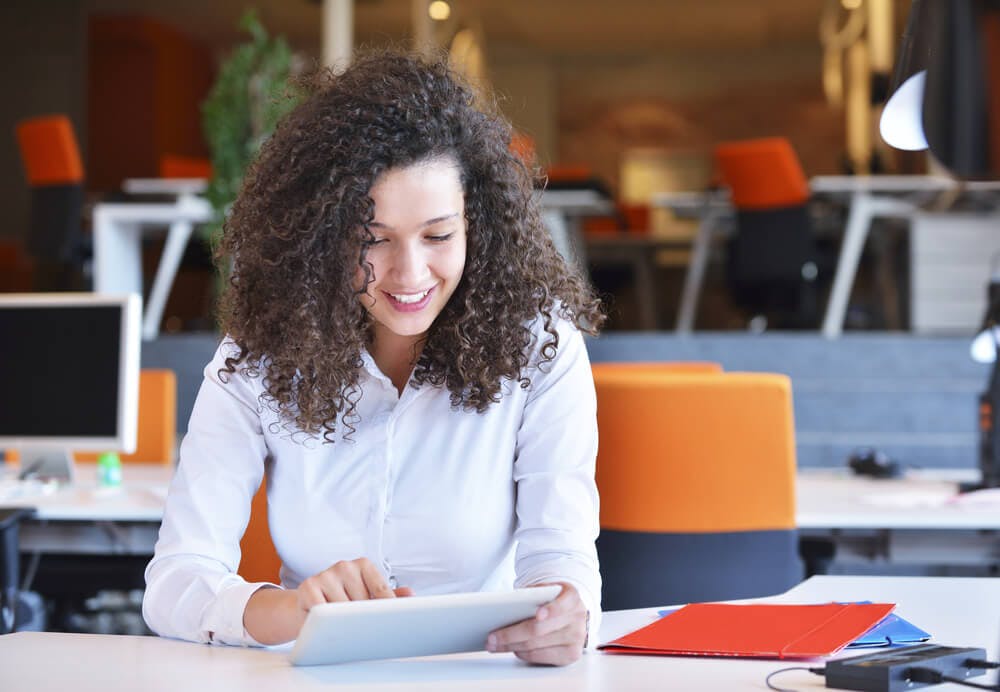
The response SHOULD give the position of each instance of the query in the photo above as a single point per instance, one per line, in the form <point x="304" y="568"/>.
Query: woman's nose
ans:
<point x="410" y="265"/>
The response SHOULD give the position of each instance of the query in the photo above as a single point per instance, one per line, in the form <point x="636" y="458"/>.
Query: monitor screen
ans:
<point x="69" y="364"/>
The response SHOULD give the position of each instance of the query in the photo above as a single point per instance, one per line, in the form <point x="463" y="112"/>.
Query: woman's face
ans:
<point x="419" y="250"/>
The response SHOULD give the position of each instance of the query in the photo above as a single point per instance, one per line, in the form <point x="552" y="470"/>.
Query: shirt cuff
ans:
<point x="223" y="619"/>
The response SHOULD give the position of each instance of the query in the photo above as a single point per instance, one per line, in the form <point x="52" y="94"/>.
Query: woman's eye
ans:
<point x="376" y="241"/>
<point x="440" y="238"/>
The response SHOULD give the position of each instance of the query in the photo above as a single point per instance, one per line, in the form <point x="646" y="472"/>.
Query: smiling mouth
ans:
<point x="409" y="298"/>
<point x="409" y="302"/>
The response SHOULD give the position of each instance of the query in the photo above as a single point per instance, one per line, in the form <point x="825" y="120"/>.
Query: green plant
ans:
<point x="249" y="97"/>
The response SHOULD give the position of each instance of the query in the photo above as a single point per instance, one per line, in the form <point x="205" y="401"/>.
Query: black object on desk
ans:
<point x="9" y="568"/>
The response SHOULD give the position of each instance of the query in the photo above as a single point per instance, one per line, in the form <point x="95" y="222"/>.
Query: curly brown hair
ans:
<point x="298" y="233"/>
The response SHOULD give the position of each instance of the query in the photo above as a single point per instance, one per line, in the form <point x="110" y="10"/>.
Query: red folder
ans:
<point x="760" y="630"/>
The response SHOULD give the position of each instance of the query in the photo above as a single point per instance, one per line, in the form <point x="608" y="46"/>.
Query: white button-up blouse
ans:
<point x="444" y="500"/>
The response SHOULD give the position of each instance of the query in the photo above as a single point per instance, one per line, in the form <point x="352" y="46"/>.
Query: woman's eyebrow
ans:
<point x="425" y="224"/>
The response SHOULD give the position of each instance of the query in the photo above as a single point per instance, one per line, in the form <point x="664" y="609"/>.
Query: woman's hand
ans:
<point x="555" y="636"/>
<point x="347" y="580"/>
<point x="275" y="616"/>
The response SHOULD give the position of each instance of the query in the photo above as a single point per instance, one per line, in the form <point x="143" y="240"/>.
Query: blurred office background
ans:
<point x="635" y="95"/>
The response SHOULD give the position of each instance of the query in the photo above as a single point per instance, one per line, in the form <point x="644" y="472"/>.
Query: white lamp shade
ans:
<point x="984" y="346"/>
<point x="901" y="124"/>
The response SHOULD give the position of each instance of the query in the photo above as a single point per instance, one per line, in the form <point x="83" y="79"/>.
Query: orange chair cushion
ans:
<point x="49" y="151"/>
<point x="695" y="452"/>
<point x="762" y="173"/>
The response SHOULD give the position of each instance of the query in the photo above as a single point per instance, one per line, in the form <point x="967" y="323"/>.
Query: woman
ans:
<point x="404" y="358"/>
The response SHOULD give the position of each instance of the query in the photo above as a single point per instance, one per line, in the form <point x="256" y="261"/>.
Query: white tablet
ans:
<point x="411" y="626"/>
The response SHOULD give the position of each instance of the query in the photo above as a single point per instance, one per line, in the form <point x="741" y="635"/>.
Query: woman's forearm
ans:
<point x="273" y="616"/>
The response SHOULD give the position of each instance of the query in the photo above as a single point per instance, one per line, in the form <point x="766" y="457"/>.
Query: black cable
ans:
<point x="981" y="665"/>
<point x="934" y="677"/>
<point x="767" y="680"/>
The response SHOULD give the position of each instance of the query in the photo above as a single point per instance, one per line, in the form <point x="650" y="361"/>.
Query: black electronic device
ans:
<point x="906" y="668"/>
<point x="873" y="463"/>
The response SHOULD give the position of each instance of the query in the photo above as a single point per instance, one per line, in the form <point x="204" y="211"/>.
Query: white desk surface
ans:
<point x="826" y="498"/>
<point x="956" y="611"/>
<point x="922" y="500"/>
<point x="165" y="186"/>
<point x="140" y="498"/>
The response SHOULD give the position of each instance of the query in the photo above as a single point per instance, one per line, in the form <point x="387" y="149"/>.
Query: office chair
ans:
<point x="696" y="473"/>
<point x="772" y="264"/>
<point x="176" y="166"/>
<point x="54" y="173"/>
<point x="259" y="560"/>
<point x="12" y="607"/>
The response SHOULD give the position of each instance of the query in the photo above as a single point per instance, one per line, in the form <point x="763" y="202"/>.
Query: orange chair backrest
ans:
<point x="49" y="151"/>
<point x="668" y="366"/>
<point x="762" y="173"/>
<point x="524" y="147"/>
<point x="695" y="452"/>
<point x="259" y="560"/>
<point x="174" y="166"/>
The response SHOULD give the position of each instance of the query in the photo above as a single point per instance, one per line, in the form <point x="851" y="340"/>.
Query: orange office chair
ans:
<point x="259" y="559"/>
<point x="772" y="265"/>
<point x="175" y="166"/>
<point x="156" y="440"/>
<point x="54" y="173"/>
<point x="696" y="473"/>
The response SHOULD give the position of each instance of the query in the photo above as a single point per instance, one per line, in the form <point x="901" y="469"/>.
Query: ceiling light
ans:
<point x="439" y="10"/>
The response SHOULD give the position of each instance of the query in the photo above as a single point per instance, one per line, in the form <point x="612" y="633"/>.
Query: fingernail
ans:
<point x="491" y="643"/>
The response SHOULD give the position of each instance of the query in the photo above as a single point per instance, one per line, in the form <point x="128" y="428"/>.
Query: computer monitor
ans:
<point x="69" y="376"/>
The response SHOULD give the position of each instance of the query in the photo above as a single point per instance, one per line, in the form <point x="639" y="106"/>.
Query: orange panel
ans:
<point x="695" y="452"/>
<point x="260" y="561"/>
<point x="49" y="150"/>
<point x="762" y="173"/>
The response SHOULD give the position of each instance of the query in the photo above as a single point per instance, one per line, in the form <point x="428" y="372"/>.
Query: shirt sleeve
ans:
<point x="557" y="502"/>
<point x="192" y="589"/>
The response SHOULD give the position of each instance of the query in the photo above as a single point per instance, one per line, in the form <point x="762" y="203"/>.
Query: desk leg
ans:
<point x="645" y="287"/>
<point x="166" y="271"/>
<point x="117" y="255"/>
<point x="864" y="208"/>
<point x="695" y="276"/>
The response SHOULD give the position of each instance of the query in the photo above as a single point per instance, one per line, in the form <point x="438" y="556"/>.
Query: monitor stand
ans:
<point x="46" y="464"/>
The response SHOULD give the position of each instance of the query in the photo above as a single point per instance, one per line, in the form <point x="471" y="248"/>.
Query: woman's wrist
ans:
<point x="272" y="616"/>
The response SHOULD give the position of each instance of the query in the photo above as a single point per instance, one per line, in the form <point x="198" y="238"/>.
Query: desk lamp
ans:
<point x="946" y="99"/>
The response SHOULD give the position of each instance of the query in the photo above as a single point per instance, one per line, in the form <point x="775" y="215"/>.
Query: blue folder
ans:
<point x="892" y="630"/>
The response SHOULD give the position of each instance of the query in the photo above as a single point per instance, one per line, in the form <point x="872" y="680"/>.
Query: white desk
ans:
<point x="870" y="197"/>
<point x="85" y="518"/>
<point x="918" y="520"/>
<point x="118" y="230"/>
<point x="956" y="611"/>
<point x="908" y="520"/>
<point x="562" y="211"/>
